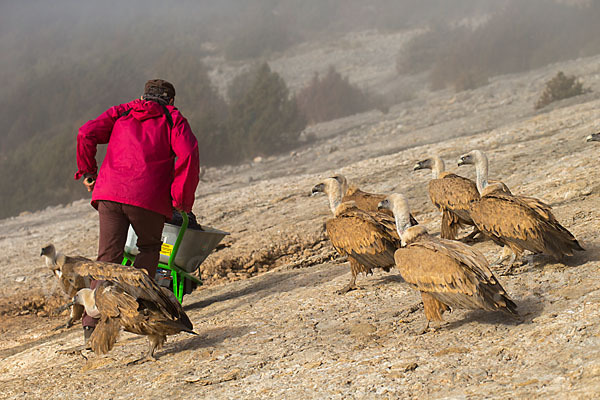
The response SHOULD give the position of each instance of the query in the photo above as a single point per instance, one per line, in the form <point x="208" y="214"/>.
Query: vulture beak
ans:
<point x="594" y="137"/>
<point x="462" y="161"/>
<point x="317" y="189"/>
<point x="382" y="204"/>
<point x="417" y="167"/>
<point x="65" y="306"/>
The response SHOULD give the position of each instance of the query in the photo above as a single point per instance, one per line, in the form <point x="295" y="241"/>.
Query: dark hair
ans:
<point x="159" y="90"/>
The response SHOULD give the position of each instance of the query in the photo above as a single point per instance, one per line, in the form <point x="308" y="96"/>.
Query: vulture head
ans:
<point x="343" y="181"/>
<point x="474" y="157"/>
<point x="333" y="189"/>
<point x="594" y="137"/>
<point x="50" y="255"/>
<point x="49" y="251"/>
<point x="423" y="164"/>
<point x="479" y="159"/>
<point x="398" y="205"/>
<point x="85" y="297"/>
<point x="435" y="164"/>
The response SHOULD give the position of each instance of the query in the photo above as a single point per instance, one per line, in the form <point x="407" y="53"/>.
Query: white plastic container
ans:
<point x="195" y="246"/>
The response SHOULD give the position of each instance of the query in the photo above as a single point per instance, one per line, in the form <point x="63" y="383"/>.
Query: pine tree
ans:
<point x="264" y="118"/>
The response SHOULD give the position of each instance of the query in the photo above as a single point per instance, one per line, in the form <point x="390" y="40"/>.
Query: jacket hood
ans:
<point x="143" y="110"/>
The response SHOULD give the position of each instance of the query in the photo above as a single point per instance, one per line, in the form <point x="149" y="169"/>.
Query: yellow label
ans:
<point x="166" y="249"/>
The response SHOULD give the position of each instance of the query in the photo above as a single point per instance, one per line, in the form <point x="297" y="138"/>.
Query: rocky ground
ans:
<point x="269" y="322"/>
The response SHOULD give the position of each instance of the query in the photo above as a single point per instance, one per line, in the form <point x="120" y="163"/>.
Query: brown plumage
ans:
<point x="448" y="273"/>
<point x="368" y="239"/>
<point x="363" y="200"/>
<point x="522" y="224"/>
<point x="518" y="222"/>
<point x="70" y="282"/>
<point x="451" y="194"/>
<point x="129" y="298"/>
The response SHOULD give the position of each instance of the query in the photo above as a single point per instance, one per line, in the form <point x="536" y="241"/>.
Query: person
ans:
<point x="151" y="167"/>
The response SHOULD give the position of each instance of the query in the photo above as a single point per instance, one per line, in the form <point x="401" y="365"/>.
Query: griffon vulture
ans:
<point x="368" y="239"/>
<point x="594" y="137"/>
<point x="518" y="222"/>
<point x="448" y="273"/>
<point x="127" y="297"/>
<point x="71" y="283"/>
<point x="364" y="200"/>
<point x="451" y="194"/>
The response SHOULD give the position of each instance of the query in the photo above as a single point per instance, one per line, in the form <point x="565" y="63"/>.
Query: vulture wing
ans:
<point x="371" y="240"/>
<point x="134" y="282"/>
<point x="522" y="222"/>
<point x="453" y="273"/>
<point x="452" y="195"/>
<point x="364" y="201"/>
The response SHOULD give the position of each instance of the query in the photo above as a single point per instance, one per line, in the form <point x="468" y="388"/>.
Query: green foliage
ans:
<point x="264" y="119"/>
<point x="332" y="96"/>
<point x="560" y="87"/>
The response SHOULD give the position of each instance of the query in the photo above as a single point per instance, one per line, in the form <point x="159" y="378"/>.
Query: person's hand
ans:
<point x="89" y="181"/>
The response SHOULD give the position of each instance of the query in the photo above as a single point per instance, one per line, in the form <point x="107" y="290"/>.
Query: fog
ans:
<point x="66" y="61"/>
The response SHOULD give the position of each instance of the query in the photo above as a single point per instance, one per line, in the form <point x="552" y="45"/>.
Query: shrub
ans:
<point x="332" y="97"/>
<point x="558" y="88"/>
<point x="519" y="37"/>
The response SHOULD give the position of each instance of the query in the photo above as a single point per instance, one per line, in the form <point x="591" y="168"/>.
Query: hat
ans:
<point x="160" y="88"/>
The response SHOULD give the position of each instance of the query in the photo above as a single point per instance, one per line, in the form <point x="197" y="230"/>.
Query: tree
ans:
<point x="264" y="118"/>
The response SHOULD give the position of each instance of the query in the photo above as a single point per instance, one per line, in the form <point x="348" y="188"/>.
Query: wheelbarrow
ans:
<point x="182" y="251"/>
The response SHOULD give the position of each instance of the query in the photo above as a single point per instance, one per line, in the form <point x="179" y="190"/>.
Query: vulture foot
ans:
<point x="348" y="288"/>
<point x="75" y="350"/>
<point x="510" y="266"/>
<point x="144" y="359"/>
<point x="436" y="327"/>
<point x="63" y="326"/>
<point x="472" y="237"/>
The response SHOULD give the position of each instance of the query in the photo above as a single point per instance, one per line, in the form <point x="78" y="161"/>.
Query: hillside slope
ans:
<point x="283" y="332"/>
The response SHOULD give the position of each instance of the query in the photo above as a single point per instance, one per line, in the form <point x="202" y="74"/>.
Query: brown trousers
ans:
<point x="115" y="219"/>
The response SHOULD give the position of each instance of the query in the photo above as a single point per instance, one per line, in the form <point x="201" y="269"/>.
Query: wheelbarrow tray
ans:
<point x="195" y="246"/>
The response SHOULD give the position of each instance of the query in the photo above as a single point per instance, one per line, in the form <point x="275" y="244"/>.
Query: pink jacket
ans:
<point x="148" y="164"/>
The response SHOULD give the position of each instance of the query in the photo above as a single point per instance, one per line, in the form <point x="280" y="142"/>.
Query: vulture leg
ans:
<point x="349" y="287"/>
<point x="153" y="343"/>
<point x="511" y="263"/>
<point x="471" y="237"/>
<point x="76" y="314"/>
<point x="355" y="268"/>
<point x="433" y="311"/>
